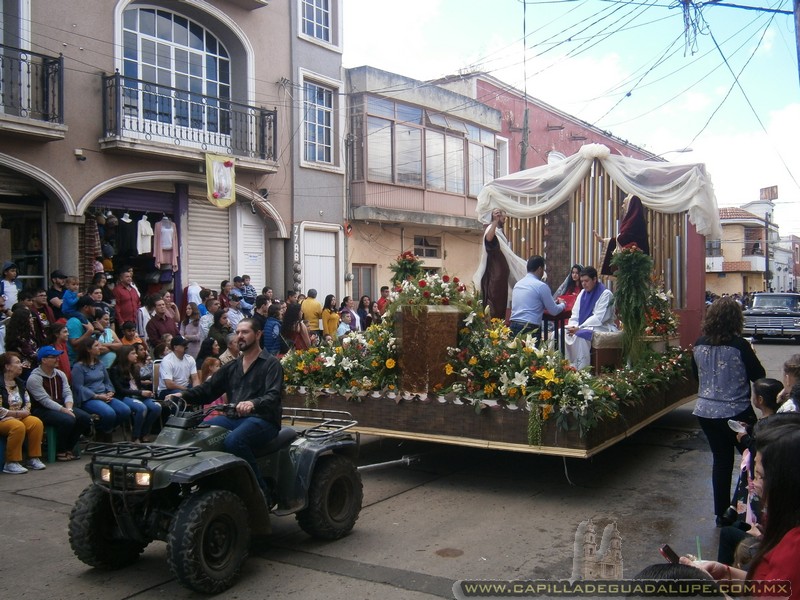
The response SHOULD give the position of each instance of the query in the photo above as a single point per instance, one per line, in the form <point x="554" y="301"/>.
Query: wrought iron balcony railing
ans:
<point x="142" y="110"/>
<point x="31" y="85"/>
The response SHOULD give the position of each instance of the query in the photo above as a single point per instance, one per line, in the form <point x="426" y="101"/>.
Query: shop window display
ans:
<point x="21" y="241"/>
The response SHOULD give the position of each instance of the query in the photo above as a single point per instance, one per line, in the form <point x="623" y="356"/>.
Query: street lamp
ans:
<point x="676" y="151"/>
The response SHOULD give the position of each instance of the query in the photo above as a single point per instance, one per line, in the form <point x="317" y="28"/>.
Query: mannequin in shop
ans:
<point x="144" y="242"/>
<point x="127" y="236"/>
<point x="165" y="243"/>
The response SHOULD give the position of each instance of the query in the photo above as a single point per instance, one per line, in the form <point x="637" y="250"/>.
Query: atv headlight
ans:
<point x="142" y="479"/>
<point x="105" y="475"/>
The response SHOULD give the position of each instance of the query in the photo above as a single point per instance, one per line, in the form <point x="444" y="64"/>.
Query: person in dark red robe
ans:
<point x="632" y="230"/>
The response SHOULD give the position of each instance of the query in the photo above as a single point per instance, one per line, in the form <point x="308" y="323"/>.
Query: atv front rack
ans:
<point x="321" y="423"/>
<point x="143" y="452"/>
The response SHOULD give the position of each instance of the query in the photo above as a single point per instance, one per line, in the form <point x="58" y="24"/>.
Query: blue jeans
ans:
<point x="111" y="414"/>
<point x="145" y="413"/>
<point x="247" y="435"/>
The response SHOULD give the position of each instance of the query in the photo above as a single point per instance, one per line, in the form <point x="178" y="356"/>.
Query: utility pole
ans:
<point x="767" y="277"/>
<point x="523" y="145"/>
<point x="797" y="32"/>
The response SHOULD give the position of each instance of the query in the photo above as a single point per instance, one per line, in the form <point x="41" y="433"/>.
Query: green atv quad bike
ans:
<point x="205" y="503"/>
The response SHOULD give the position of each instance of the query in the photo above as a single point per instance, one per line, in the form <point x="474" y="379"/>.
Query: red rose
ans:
<point x="228" y="163"/>
<point x="215" y="194"/>
<point x="398" y="288"/>
<point x="462" y="288"/>
<point x="426" y="294"/>
<point x="456" y="280"/>
<point x="422" y="283"/>
<point x="445" y="300"/>
<point x="445" y="278"/>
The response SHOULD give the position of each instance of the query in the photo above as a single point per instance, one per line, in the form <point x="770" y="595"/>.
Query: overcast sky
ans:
<point x="626" y="67"/>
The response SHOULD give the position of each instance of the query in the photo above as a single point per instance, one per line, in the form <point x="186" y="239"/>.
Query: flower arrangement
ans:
<point x="431" y="289"/>
<point x="660" y="319"/>
<point x="634" y="269"/>
<point x="358" y="362"/>
<point x="490" y="364"/>
<point x="406" y="266"/>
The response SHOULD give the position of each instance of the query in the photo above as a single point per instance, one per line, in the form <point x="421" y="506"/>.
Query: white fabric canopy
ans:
<point x="662" y="186"/>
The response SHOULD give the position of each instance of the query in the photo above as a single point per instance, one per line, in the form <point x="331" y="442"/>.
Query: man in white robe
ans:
<point x="593" y="311"/>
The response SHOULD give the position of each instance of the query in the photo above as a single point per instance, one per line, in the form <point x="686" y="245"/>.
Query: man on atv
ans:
<point x="253" y="383"/>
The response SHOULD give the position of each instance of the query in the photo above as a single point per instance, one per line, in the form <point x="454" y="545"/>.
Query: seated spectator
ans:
<point x="178" y="370"/>
<point x="208" y="348"/>
<point x="221" y="328"/>
<point x="59" y="338"/>
<point x="344" y="326"/>
<point x="744" y="515"/>
<point x="16" y="422"/>
<point x="210" y="366"/>
<point x="52" y="402"/>
<point x="235" y="312"/>
<point x="95" y="392"/>
<point x="272" y="331"/>
<point x="231" y="352"/>
<point x="160" y="323"/>
<point x="145" y="363"/>
<point x="108" y="338"/>
<point x="190" y="329"/>
<point x="294" y="329"/>
<point x="791" y="376"/>
<point x="777" y="473"/>
<point x="129" y="335"/>
<point x="135" y="394"/>
<point x="21" y="338"/>
<point x="69" y="306"/>
<point x="593" y="311"/>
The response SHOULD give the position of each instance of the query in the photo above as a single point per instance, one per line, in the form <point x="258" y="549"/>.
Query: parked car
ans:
<point x="773" y="315"/>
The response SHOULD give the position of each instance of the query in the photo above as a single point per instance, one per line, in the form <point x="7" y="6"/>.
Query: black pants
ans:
<point x="722" y="441"/>
<point x="68" y="428"/>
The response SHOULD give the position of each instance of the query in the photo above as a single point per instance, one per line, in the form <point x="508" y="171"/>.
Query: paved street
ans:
<point x="457" y="513"/>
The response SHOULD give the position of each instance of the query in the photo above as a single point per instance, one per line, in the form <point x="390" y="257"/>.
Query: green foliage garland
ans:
<point x="634" y="269"/>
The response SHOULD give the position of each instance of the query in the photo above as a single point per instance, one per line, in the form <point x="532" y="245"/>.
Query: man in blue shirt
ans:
<point x="530" y="298"/>
<point x="79" y="331"/>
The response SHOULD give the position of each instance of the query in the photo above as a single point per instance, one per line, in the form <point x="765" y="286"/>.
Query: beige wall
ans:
<point x="379" y="245"/>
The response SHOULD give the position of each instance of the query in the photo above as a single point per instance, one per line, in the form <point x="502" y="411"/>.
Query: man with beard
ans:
<point x="253" y="383"/>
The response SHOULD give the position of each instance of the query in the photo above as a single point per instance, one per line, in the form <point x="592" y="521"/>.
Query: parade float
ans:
<point x="438" y="370"/>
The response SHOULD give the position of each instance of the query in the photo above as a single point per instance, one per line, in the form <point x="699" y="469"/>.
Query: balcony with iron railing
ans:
<point x="144" y="117"/>
<point x="31" y="94"/>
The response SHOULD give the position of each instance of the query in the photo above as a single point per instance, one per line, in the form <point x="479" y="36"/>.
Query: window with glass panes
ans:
<point x="318" y="123"/>
<point x="317" y="19"/>
<point x="409" y="146"/>
<point x="189" y="65"/>
<point x="426" y="246"/>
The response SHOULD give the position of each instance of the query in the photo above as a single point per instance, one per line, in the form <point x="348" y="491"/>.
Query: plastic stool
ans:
<point x="50" y="436"/>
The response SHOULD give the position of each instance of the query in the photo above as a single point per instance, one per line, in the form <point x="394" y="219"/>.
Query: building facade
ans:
<point x="743" y="260"/>
<point x="109" y="110"/>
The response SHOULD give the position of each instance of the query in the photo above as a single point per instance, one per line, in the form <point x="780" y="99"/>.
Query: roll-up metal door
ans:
<point x="209" y="243"/>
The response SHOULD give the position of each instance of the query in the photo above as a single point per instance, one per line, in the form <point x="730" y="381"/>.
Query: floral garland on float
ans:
<point x="488" y="367"/>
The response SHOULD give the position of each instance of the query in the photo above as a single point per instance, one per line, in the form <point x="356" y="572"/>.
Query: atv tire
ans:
<point x="208" y="541"/>
<point x="334" y="499"/>
<point x="91" y="532"/>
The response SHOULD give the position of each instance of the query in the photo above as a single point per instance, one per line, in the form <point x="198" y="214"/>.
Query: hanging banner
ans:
<point x="220" y="180"/>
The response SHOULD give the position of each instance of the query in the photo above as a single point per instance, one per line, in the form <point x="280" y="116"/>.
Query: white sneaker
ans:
<point x="14" y="468"/>
<point x="35" y="464"/>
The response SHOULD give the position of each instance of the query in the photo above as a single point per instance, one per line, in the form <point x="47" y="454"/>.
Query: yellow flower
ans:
<point x="390" y="363"/>
<point x="301" y="365"/>
<point x="489" y="388"/>
<point x="448" y="369"/>
<point x="546" y="410"/>
<point x="545" y="395"/>
<point x="493" y="334"/>
<point x="473" y="361"/>
<point x="512" y="392"/>
<point x="486" y="374"/>
<point x="374" y="363"/>
<point x="547" y="375"/>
